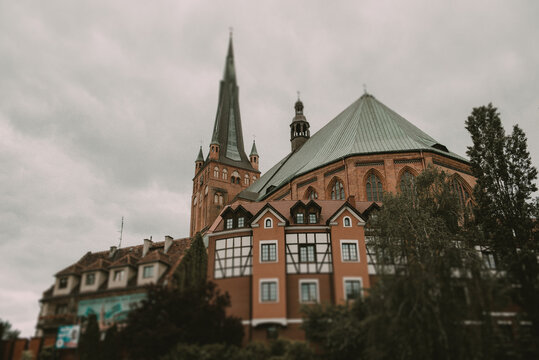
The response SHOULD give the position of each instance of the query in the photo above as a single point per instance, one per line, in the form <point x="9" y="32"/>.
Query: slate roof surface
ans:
<point x="365" y="127"/>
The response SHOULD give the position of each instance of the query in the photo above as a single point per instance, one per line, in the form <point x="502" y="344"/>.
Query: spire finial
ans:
<point x="365" y="89"/>
<point x="230" y="31"/>
<point x="298" y="95"/>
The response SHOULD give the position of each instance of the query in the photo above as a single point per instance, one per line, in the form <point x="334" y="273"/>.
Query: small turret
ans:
<point x="299" y="129"/>
<point x="253" y="156"/>
<point x="199" y="161"/>
<point x="214" y="150"/>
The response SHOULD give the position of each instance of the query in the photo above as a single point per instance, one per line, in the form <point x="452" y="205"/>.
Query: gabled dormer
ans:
<point x="270" y="218"/>
<point x="94" y="275"/>
<point x="122" y="271"/>
<point x="151" y="267"/>
<point x="67" y="280"/>
<point x="346" y="216"/>
<point x="237" y="218"/>
<point x="305" y="213"/>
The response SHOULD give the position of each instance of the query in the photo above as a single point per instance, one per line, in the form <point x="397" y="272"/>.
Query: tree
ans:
<point x="192" y="312"/>
<point x="6" y="332"/>
<point x="191" y="274"/>
<point x="429" y="285"/>
<point x="89" y="344"/>
<point x="505" y="213"/>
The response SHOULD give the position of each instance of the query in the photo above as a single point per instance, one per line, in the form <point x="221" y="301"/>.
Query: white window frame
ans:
<point x="344" y="221"/>
<point x="242" y="218"/>
<point x="303" y="281"/>
<point x="271" y="223"/>
<point x="263" y="242"/>
<point x="352" y="278"/>
<point x="87" y="276"/>
<point x="229" y="223"/>
<point x="119" y="278"/>
<point x="348" y="241"/>
<point x="268" y="280"/>
<point x="144" y="267"/>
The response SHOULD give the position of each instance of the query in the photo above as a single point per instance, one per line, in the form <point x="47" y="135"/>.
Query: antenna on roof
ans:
<point x="365" y="88"/>
<point x="121" y="233"/>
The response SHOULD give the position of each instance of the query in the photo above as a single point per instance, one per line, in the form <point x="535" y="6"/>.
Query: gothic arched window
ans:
<point x="225" y="174"/>
<point x="246" y="179"/>
<point x="407" y="182"/>
<point x="374" y="188"/>
<point x="460" y="191"/>
<point x="311" y="194"/>
<point x="337" y="191"/>
<point x="216" y="172"/>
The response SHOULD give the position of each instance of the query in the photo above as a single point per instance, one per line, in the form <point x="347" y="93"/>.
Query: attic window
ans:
<point x="312" y="218"/>
<point x="62" y="284"/>
<point x="241" y="222"/>
<point x="90" y="279"/>
<point x="147" y="272"/>
<point x="229" y="223"/>
<point x="299" y="218"/>
<point x="118" y="275"/>
<point x="270" y="189"/>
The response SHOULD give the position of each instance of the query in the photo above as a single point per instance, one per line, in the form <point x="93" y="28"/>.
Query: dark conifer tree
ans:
<point x="89" y="344"/>
<point x="504" y="211"/>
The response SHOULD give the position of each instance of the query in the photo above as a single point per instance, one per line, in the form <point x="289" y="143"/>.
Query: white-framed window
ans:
<point x="90" y="278"/>
<point x="307" y="253"/>
<point x="241" y="222"/>
<point x="268" y="223"/>
<point x="349" y="251"/>
<point x="216" y="172"/>
<point x="229" y="223"/>
<point x="118" y="275"/>
<point x="308" y="291"/>
<point x="300" y="218"/>
<point x="312" y="218"/>
<point x="353" y="287"/>
<point x="347" y="222"/>
<point x="225" y="174"/>
<point x="268" y="251"/>
<point x="269" y="290"/>
<point x="147" y="271"/>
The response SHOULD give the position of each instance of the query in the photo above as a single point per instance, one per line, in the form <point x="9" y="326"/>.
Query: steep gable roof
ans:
<point x="365" y="127"/>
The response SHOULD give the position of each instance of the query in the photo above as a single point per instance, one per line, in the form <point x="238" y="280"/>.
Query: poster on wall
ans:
<point x="109" y="310"/>
<point x="68" y="337"/>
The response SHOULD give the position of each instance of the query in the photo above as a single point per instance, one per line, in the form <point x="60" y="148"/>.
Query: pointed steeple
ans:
<point x="227" y="131"/>
<point x="253" y="150"/>
<point x="200" y="156"/>
<point x="299" y="128"/>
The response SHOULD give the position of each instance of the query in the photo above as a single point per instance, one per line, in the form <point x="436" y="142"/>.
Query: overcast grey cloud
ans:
<point x="103" y="104"/>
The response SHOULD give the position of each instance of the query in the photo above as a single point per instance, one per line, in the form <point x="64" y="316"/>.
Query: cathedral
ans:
<point x="295" y="235"/>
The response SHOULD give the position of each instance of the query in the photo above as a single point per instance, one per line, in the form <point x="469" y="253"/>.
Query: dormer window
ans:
<point x="241" y="222"/>
<point x="229" y="223"/>
<point x="268" y="223"/>
<point x="300" y="218"/>
<point x="90" y="279"/>
<point x="147" y="271"/>
<point x="312" y="218"/>
<point x="118" y="275"/>
<point x="62" y="284"/>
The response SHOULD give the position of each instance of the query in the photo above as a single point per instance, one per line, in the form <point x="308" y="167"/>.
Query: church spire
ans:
<point x="227" y="137"/>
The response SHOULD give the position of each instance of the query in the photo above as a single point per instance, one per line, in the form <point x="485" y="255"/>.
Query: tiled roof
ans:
<point x="328" y="208"/>
<point x="155" y="256"/>
<point x="127" y="260"/>
<point x="365" y="127"/>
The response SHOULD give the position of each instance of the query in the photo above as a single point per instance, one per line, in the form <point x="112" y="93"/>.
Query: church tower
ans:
<point x="299" y="129"/>
<point x="227" y="169"/>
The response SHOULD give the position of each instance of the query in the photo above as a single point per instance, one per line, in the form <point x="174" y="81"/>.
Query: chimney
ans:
<point x="112" y="251"/>
<point x="351" y="200"/>
<point x="168" y="243"/>
<point x="146" y="247"/>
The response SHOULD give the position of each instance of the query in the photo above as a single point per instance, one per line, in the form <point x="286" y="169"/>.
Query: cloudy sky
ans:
<point x="103" y="104"/>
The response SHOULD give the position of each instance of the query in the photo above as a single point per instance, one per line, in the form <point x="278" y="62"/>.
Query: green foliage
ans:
<point x="48" y="353"/>
<point x="111" y="347"/>
<point x="275" y="350"/>
<point x="191" y="273"/>
<point x="170" y="316"/>
<point x="89" y="344"/>
<point x="6" y="332"/>
<point x="418" y="307"/>
<point x="505" y="213"/>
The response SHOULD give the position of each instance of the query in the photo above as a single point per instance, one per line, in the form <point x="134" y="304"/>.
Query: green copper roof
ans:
<point x="254" y="152"/>
<point x="227" y="131"/>
<point x="200" y="156"/>
<point x="365" y="127"/>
